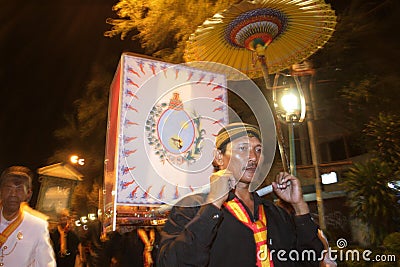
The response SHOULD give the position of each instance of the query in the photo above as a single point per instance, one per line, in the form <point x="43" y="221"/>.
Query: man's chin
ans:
<point x="247" y="177"/>
<point x="13" y="205"/>
<point x="245" y="181"/>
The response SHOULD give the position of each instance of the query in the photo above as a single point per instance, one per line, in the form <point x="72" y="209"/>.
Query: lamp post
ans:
<point x="289" y="104"/>
<point x="305" y="69"/>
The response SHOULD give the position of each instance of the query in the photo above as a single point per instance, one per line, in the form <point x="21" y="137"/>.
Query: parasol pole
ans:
<point x="281" y="142"/>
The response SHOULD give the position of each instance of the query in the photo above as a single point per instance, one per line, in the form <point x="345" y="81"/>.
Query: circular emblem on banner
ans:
<point x="175" y="127"/>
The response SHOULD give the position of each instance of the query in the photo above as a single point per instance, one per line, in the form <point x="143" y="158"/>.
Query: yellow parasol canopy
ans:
<point x="285" y="32"/>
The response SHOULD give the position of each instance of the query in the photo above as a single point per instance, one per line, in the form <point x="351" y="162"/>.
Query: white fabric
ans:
<point x="29" y="245"/>
<point x="4" y="223"/>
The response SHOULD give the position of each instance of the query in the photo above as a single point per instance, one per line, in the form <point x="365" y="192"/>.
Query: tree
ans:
<point x="163" y="26"/>
<point x="383" y="140"/>
<point x="356" y="74"/>
<point x="371" y="200"/>
<point x="85" y="131"/>
<point x="85" y="199"/>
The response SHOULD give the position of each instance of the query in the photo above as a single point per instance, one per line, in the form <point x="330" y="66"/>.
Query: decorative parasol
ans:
<point x="278" y="33"/>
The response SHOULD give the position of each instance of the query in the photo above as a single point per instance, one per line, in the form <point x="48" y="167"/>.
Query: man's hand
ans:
<point x="288" y="188"/>
<point x="221" y="183"/>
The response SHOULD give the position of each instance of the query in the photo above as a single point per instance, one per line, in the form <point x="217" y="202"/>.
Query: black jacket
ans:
<point x="196" y="235"/>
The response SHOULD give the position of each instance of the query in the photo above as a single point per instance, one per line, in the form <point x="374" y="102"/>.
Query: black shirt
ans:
<point x="207" y="236"/>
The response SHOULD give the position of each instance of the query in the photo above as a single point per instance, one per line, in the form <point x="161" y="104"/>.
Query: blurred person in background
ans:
<point x="24" y="239"/>
<point x="64" y="240"/>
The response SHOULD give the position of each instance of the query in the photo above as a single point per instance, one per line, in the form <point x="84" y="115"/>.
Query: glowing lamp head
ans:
<point x="290" y="103"/>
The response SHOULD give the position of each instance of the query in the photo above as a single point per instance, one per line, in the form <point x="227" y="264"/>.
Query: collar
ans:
<point x="257" y="202"/>
<point x="3" y="220"/>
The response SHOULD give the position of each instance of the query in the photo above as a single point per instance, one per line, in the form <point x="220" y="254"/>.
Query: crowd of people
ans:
<point x="229" y="226"/>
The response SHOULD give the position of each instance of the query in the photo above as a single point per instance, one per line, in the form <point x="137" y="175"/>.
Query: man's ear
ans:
<point x="29" y="195"/>
<point x="218" y="158"/>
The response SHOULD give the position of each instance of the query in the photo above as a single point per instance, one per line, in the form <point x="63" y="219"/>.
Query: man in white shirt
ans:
<point x="24" y="238"/>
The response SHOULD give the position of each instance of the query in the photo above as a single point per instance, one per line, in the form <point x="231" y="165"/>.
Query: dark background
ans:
<point x="47" y="49"/>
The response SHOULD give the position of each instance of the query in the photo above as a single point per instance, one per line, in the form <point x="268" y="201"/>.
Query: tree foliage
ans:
<point x="85" y="199"/>
<point x="85" y="131"/>
<point x="84" y="134"/>
<point x="364" y="83"/>
<point x="370" y="198"/>
<point x="383" y="140"/>
<point x="357" y="67"/>
<point x="162" y="26"/>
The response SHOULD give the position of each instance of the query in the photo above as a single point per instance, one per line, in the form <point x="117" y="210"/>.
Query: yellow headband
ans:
<point x="235" y="130"/>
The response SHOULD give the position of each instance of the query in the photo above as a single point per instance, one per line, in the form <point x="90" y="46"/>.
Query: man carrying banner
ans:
<point x="24" y="238"/>
<point x="232" y="226"/>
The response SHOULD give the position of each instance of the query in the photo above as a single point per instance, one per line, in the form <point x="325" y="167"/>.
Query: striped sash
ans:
<point x="259" y="229"/>
<point x="11" y="228"/>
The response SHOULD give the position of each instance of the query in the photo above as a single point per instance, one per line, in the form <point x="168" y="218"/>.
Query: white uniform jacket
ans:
<point x="29" y="245"/>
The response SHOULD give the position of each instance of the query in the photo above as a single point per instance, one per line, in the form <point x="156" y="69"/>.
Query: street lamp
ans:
<point x="305" y="69"/>
<point x="76" y="160"/>
<point x="290" y="108"/>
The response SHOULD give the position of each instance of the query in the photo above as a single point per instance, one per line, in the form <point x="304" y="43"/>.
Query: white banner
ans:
<point x="169" y="116"/>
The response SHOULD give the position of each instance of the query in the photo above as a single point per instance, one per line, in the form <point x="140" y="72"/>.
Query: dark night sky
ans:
<point x="47" y="49"/>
